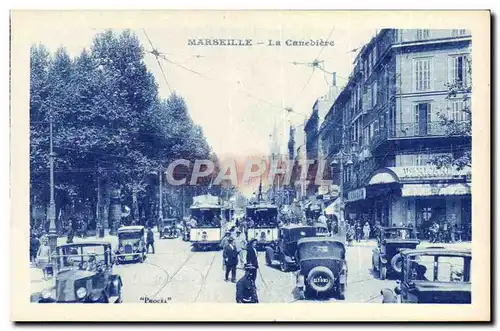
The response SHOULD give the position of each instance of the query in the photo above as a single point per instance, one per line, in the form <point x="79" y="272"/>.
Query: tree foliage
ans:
<point x="109" y="123"/>
<point x="458" y="122"/>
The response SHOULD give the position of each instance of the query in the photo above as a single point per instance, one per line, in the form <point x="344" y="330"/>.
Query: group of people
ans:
<point x="356" y="232"/>
<point x="238" y="253"/>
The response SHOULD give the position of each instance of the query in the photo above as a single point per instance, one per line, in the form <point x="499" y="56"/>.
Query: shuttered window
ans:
<point x="422" y="74"/>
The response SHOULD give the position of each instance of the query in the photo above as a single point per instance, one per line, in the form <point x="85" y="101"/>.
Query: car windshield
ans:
<point x="321" y="250"/>
<point x="398" y="234"/>
<point x="439" y="268"/>
<point x="130" y="235"/>
<point x="81" y="256"/>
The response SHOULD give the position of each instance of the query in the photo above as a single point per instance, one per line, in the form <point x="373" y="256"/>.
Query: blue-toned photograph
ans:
<point x="222" y="164"/>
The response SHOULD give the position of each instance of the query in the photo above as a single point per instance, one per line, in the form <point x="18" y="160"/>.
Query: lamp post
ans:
<point x="340" y="158"/>
<point x="52" y="204"/>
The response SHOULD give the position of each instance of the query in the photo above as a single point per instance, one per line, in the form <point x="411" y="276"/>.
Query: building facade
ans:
<point x="393" y="112"/>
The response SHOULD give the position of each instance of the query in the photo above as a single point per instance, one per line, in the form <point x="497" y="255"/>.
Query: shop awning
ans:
<point x="333" y="208"/>
<point x="422" y="190"/>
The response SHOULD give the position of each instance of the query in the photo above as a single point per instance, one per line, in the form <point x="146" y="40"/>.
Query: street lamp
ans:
<point x="341" y="158"/>
<point x="52" y="204"/>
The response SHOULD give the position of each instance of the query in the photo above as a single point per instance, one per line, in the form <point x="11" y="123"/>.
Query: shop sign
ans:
<point x="430" y="172"/>
<point x="418" y="190"/>
<point x="355" y="195"/>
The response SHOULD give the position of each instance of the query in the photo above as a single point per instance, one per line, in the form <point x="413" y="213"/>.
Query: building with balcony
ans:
<point x="392" y="112"/>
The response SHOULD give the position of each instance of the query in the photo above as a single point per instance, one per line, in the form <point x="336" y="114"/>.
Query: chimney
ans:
<point x="334" y="79"/>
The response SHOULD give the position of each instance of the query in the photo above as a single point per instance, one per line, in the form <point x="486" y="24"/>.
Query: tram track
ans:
<point x="204" y="278"/>
<point x="170" y="278"/>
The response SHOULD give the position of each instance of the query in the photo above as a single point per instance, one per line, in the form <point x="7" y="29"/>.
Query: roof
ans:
<point x="262" y="206"/>
<point x="437" y="251"/>
<point x="318" y="239"/>
<point x="295" y="226"/>
<point x="396" y="228"/>
<point x="86" y="243"/>
<point x="131" y="228"/>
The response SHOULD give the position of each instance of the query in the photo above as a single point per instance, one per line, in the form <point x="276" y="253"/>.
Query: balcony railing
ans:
<point x="425" y="129"/>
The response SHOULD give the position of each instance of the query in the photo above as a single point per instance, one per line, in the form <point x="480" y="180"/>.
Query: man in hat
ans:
<point x="246" y="292"/>
<point x="230" y="259"/>
<point x="252" y="256"/>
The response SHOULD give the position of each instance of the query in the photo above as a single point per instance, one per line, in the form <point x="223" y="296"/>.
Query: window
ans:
<point x="372" y="130"/>
<point x="375" y="127"/>
<point x="369" y="63"/>
<point x="422" y="71"/>
<point x="423" y="34"/>
<point x="366" y="136"/>
<point x="374" y="57"/>
<point x="374" y="94"/>
<point x="458" y="32"/>
<point x="456" y="110"/>
<point x="458" y="69"/>
<point x="382" y="121"/>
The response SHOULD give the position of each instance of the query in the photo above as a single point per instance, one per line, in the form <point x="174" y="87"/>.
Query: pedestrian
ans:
<point x="71" y="235"/>
<point x="246" y="291"/>
<point x="223" y="244"/>
<point x="150" y="240"/>
<point x="230" y="255"/>
<point x="252" y="257"/>
<point x="366" y="230"/>
<point x="43" y="256"/>
<point x="359" y="231"/>
<point x="34" y="245"/>
<point x="240" y="242"/>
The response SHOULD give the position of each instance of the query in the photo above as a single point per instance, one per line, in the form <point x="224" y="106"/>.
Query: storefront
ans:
<point x="416" y="196"/>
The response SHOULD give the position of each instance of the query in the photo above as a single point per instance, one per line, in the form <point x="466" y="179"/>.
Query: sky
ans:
<point x="236" y="94"/>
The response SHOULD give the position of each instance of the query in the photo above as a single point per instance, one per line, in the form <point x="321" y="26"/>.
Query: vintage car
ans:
<point x="131" y="244"/>
<point x="322" y="267"/>
<point x="168" y="229"/>
<point x="283" y="250"/>
<point x="321" y="229"/>
<point x="386" y="258"/>
<point x="83" y="273"/>
<point x="435" y="275"/>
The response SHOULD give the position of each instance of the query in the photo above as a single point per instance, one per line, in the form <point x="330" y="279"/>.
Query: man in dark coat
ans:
<point x="252" y="256"/>
<point x="246" y="292"/>
<point x="150" y="240"/>
<point x="230" y="259"/>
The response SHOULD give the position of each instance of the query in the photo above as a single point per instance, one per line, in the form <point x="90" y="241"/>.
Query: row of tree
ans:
<point x="112" y="134"/>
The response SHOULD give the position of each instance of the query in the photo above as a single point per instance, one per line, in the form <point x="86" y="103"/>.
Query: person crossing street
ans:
<point x="150" y="240"/>
<point x="246" y="291"/>
<point x="230" y="259"/>
<point x="252" y="257"/>
<point x="240" y="243"/>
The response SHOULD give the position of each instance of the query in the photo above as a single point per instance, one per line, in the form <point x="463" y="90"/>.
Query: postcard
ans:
<point x="250" y="166"/>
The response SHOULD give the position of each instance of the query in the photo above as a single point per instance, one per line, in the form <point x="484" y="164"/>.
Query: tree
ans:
<point x="457" y="120"/>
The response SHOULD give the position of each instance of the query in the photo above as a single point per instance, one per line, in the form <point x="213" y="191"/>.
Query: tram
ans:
<point x="262" y="223"/>
<point x="206" y="222"/>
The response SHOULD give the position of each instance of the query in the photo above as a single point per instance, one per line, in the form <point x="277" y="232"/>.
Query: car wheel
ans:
<point x="382" y="274"/>
<point x="283" y="265"/>
<point x="119" y="299"/>
<point x="341" y="292"/>
<point x="308" y="292"/>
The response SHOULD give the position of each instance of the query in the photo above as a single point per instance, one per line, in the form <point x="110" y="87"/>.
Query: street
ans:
<point x="177" y="274"/>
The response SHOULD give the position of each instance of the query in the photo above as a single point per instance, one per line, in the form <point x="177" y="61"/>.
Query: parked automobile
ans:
<point x="283" y="250"/>
<point x="169" y="230"/>
<point x="386" y="258"/>
<point x="322" y="267"/>
<point x="131" y="244"/>
<point x="435" y="275"/>
<point x="83" y="273"/>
